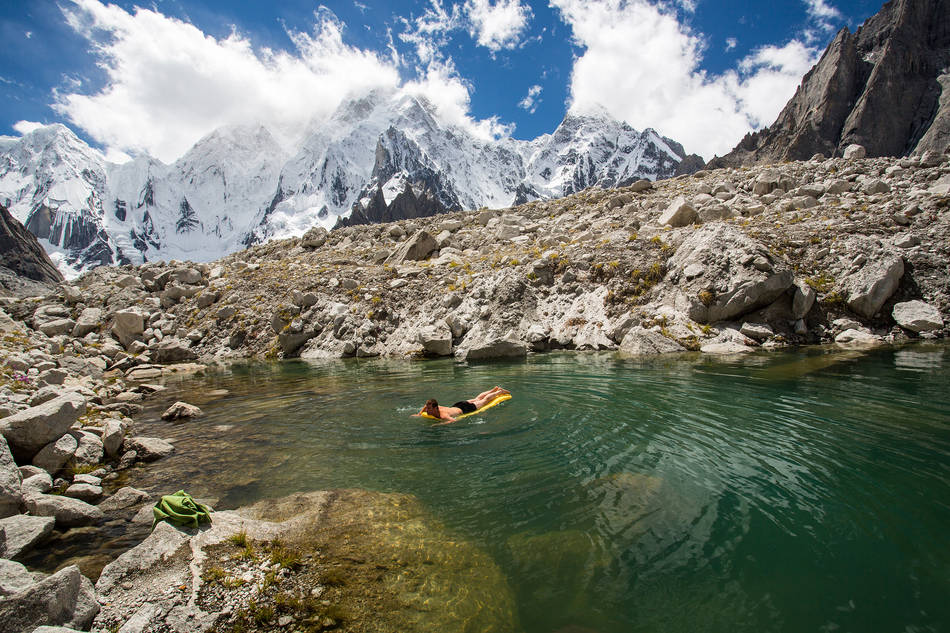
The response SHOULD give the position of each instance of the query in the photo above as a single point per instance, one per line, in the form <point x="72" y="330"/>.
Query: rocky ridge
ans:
<point x="25" y="268"/>
<point x="885" y="87"/>
<point x="851" y="251"/>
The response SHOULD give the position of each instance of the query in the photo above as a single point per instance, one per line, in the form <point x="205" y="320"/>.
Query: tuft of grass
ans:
<point x="260" y="614"/>
<point x="239" y="539"/>
<point x="822" y="282"/>
<point x="84" y="469"/>
<point x="248" y="552"/>
<point x="214" y="574"/>
<point x="834" y="299"/>
<point x="283" y="555"/>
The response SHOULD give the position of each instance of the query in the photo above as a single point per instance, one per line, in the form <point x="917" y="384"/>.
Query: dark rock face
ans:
<point x="424" y="191"/>
<point x="689" y="165"/>
<point x="885" y="87"/>
<point x="22" y="254"/>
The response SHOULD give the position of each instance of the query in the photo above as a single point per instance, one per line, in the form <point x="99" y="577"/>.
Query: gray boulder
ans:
<point x="113" y="434"/>
<point x="725" y="348"/>
<point x="66" y="598"/>
<point x="917" y="316"/>
<point x="480" y="346"/>
<point x="186" y="275"/>
<point x="54" y="455"/>
<point x="207" y="298"/>
<point x="855" y="151"/>
<point x="22" y="532"/>
<point x="128" y="327"/>
<point x="767" y="182"/>
<point x="14" y="577"/>
<point x="45" y="394"/>
<point x="89" y="452"/>
<point x="181" y="410"/>
<point x="803" y="300"/>
<point x="28" y="470"/>
<point x="417" y="247"/>
<point x="86" y="478"/>
<point x="175" y="292"/>
<point x="314" y="237"/>
<point x="31" y="429"/>
<point x="67" y="512"/>
<point x="641" y="185"/>
<point x="11" y="497"/>
<point x="89" y="321"/>
<point x="436" y="340"/>
<point x="163" y="543"/>
<point x="715" y="211"/>
<point x="872" y="285"/>
<point x="84" y="492"/>
<point x="291" y="341"/>
<point x="148" y="449"/>
<point x="72" y="294"/>
<point x="39" y="484"/>
<point x="57" y="327"/>
<point x="757" y="331"/>
<point x="858" y="338"/>
<point x="640" y="341"/>
<point x="124" y="498"/>
<point x="173" y="350"/>
<point x="738" y="276"/>
<point x="52" y="377"/>
<point x="679" y="213"/>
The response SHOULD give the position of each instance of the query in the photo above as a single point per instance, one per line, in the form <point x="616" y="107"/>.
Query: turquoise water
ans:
<point x="794" y="491"/>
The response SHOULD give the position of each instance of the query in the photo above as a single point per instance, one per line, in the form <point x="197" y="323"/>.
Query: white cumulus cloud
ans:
<point x="169" y="84"/>
<point x="531" y="101"/>
<point x="822" y="13"/>
<point x="499" y="25"/>
<point x="429" y="32"/>
<point x="25" y="127"/>
<point x="641" y="64"/>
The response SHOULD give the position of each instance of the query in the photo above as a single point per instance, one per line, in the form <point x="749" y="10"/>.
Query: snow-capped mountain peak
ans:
<point x="381" y="156"/>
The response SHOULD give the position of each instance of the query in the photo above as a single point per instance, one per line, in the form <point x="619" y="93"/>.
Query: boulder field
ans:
<point x="791" y="248"/>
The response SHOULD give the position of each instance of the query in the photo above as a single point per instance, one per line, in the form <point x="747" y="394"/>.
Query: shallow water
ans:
<point x="801" y="491"/>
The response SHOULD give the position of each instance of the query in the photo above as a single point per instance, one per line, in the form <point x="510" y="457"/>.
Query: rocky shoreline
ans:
<point x="849" y="251"/>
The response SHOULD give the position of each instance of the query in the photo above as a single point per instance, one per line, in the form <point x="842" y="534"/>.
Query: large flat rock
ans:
<point x="22" y="532"/>
<point x="31" y="429"/>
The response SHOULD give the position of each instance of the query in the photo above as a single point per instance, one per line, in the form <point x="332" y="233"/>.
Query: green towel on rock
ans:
<point x="180" y="509"/>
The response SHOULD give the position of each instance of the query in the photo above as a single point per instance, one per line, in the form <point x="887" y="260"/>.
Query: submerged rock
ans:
<point x="376" y="561"/>
<point x="181" y="410"/>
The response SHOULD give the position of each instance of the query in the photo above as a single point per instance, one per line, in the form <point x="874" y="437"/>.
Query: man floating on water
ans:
<point x="483" y="400"/>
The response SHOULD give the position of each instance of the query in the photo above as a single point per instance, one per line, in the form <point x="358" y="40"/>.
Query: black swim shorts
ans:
<point x="465" y="406"/>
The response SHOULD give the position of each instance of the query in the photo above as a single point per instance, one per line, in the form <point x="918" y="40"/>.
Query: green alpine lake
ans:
<point x="784" y="491"/>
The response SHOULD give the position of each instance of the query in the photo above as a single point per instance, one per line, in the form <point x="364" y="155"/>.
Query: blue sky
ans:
<point x="156" y="77"/>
